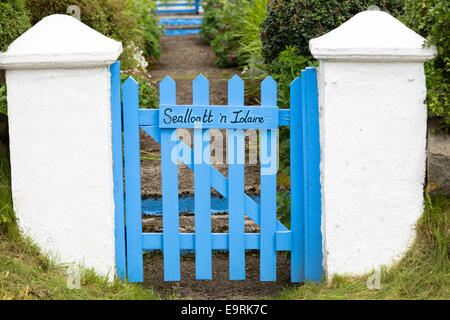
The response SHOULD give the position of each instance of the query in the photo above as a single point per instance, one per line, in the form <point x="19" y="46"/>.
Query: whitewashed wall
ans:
<point x="59" y="95"/>
<point x="373" y="138"/>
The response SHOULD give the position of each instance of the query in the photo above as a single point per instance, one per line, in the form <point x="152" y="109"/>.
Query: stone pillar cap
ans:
<point x="60" y="41"/>
<point x="371" y="36"/>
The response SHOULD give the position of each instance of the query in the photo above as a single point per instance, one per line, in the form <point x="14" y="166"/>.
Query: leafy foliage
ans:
<point x="232" y="29"/>
<point x="13" y="21"/>
<point x="295" y="22"/>
<point x="148" y="92"/>
<point x="3" y="103"/>
<point x="210" y="23"/>
<point x="430" y="18"/>
<point x="148" y="26"/>
<point x="7" y="216"/>
<point x="125" y="21"/>
<point x="285" y="68"/>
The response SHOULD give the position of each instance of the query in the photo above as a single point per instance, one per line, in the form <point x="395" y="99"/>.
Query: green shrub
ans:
<point x="3" y="104"/>
<point x="7" y="216"/>
<point x="232" y="30"/>
<point x="285" y="68"/>
<point x="121" y="20"/>
<point x="430" y="18"/>
<point x="13" y="21"/>
<point x="148" y="92"/>
<point x="247" y="28"/>
<point x="210" y="21"/>
<point x="225" y="43"/>
<point x="295" y="22"/>
<point x="148" y="25"/>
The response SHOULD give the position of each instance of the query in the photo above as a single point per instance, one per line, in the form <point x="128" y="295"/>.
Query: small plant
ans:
<point x="3" y="103"/>
<point x="13" y="21"/>
<point x="295" y="22"/>
<point x="430" y="18"/>
<point x="284" y="208"/>
<point x="285" y="68"/>
<point x="148" y="93"/>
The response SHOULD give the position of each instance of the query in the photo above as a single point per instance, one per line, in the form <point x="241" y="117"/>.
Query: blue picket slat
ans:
<point x="268" y="203"/>
<point x="132" y="180"/>
<point x="313" y="235"/>
<point x="202" y="187"/>
<point x="119" y="215"/>
<point x="169" y="181"/>
<point x="236" y="186"/>
<point x="297" y="194"/>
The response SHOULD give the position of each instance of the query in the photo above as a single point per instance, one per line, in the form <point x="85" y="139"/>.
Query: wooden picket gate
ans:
<point x="303" y="240"/>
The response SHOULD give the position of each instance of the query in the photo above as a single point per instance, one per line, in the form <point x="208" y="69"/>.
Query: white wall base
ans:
<point x="61" y="158"/>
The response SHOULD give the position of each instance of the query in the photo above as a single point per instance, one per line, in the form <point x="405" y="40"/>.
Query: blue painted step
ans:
<point x="181" y="22"/>
<point x="186" y="205"/>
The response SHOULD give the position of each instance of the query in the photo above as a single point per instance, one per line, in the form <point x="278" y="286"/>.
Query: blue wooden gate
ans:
<point x="303" y="240"/>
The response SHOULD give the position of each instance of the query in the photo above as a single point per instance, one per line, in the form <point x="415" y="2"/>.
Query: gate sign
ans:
<point x="218" y="117"/>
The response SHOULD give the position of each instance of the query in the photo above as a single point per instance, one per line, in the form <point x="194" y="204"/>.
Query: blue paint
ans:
<point x="220" y="241"/>
<point x="202" y="186"/>
<point x="304" y="240"/>
<point x="150" y="117"/>
<point x="268" y="262"/>
<point x="297" y="192"/>
<point x="236" y="185"/>
<point x="180" y="22"/>
<point x="218" y="117"/>
<point x="119" y="220"/>
<point x="132" y="181"/>
<point x="181" y="32"/>
<point x="219" y="205"/>
<point x="169" y="181"/>
<point x="313" y="235"/>
<point x="172" y="7"/>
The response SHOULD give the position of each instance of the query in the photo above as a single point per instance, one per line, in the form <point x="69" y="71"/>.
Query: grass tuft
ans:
<point x="423" y="273"/>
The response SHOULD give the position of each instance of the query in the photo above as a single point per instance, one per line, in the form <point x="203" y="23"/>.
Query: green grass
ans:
<point x="424" y="273"/>
<point x="26" y="274"/>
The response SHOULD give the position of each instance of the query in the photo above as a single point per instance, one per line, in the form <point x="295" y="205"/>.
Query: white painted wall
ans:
<point x="373" y="137"/>
<point x="58" y="83"/>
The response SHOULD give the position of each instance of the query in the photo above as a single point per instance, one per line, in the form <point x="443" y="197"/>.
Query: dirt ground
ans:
<point x="184" y="57"/>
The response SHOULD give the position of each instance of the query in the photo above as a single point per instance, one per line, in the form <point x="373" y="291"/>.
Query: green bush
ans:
<point x="225" y="43"/>
<point x="148" y="25"/>
<point x="124" y="21"/>
<point x="247" y="28"/>
<point x="232" y="30"/>
<point x="430" y="18"/>
<point x="148" y="92"/>
<point x="210" y="23"/>
<point x="295" y="22"/>
<point x="13" y="21"/>
<point x="285" y="68"/>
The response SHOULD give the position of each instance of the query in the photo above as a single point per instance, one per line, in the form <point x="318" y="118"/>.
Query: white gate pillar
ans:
<point x="373" y="134"/>
<point x="59" y="102"/>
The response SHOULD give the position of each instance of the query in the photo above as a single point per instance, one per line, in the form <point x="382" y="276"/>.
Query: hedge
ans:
<point x="121" y="20"/>
<point x="295" y="22"/>
<point x="430" y="18"/>
<point x="13" y="21"/>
